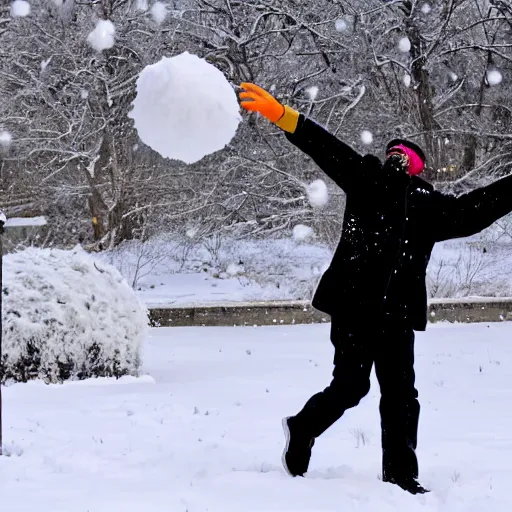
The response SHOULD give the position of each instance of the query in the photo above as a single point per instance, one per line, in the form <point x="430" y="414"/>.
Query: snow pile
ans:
<point x="185" y="108"/>
<point x="317" y="193"/>
<point x="65" y="316"/>
<point x="102" y="37"/>
<point x="5" y="138"/>
<point x="20" y="8"/>
<point x="366" y="137"/>
<point x="404" y="45"/>
<point x="302" y="233"/>
<point x="494" y="77"/>
<point x="159" y="12"/>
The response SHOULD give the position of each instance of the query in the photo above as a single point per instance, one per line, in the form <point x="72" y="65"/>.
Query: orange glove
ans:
<point x="263" y="102"/>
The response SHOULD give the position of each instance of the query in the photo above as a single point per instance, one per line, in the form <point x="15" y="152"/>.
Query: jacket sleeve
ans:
<point x="470" y="213"/>
<point x="338" y="160"/>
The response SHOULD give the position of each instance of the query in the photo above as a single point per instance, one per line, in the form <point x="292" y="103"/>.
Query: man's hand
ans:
<point x="256" y="99"/>
<point x="261" y="101"/>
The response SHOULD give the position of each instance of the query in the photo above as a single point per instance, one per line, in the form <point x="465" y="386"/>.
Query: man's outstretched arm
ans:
<point x="470" y="213"/>
<point x="338" y="160"/>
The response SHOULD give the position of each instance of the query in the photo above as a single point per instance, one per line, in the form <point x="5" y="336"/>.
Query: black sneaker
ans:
<point x="297" y="452"/>
<point x="408" y="484"/>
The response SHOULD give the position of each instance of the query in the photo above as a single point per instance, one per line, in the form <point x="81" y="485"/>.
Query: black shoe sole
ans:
<point x="286" y="429"/>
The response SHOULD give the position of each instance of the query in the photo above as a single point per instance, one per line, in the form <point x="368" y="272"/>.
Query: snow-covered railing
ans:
<point x="22" y="222"/>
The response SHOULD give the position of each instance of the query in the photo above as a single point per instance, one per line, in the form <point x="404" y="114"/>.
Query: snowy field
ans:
<point x="200" y="430"/>
<point x="174" y="271"/>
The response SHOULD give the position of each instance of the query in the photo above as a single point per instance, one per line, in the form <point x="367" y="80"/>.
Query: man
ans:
<point x="374" y="290"/>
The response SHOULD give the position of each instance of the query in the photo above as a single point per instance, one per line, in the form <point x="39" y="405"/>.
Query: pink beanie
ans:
<point x="416" y="164"/>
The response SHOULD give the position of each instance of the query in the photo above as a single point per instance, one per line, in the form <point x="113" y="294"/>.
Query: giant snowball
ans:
<point x="185" y="108"/>
<point x="67" y="317"/>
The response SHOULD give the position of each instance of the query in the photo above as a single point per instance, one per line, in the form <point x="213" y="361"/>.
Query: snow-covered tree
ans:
<point x="437" y="71"/>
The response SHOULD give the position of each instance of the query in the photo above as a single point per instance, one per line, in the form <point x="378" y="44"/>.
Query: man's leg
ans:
<point x="353" y="359"/>
<point x="399" y="406"/>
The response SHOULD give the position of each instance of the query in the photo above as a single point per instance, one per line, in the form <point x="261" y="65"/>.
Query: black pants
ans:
<point x="391" y="348"/>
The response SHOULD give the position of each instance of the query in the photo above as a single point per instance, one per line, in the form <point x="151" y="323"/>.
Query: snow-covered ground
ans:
<point x="200" y="430"/>
<point x="180" y="272"/>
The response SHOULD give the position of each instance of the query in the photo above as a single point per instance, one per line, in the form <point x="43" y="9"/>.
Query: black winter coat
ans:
<point x="391" y="224"/>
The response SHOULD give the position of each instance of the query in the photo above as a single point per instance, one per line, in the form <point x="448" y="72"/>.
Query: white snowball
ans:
<point x="185" y="108"/>
<point x="426" y="9"/>
<point x="453" y="76"/>
<point x="102" y="37"/>
<point x="20" y="8"/>
<point x="317" y="193"/>
<point x="494" y="77"/>
<point x="301" y="232"/>
<point x="312" y="92"/>
<point x="407" y="80"/>
<point x="159" y="12"/>
<point x="84" y="94"/>
<point x="234" y="269"/>
<point x="366" y="137"/>
<point x="341" y="25"/>
<point x="5" y="138"/>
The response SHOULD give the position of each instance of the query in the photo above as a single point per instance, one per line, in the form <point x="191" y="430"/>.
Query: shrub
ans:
<point x="67" y="317"/>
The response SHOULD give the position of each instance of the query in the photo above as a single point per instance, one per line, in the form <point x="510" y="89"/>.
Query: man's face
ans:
<point x="397" y="160"/>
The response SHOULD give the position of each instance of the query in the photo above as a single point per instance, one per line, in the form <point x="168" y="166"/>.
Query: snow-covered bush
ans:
<point x="65" y="316"/>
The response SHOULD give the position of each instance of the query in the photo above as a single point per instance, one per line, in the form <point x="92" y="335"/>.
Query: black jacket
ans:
<point x="391" y="224"/>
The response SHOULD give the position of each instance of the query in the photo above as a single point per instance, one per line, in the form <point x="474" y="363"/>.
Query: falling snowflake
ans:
<point x="5" y="138"/>
<point x="312" y="92"/>
<point x="159" y="12"/>
<point x="20" y="8"/>
<point x="366" y="137"/>
<point x="318" y="195"/>
<point x="301" y="232"/>
<point x="404" y="45"/>
<point x="341" y="25"/>
<point x="494" y="77"/>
